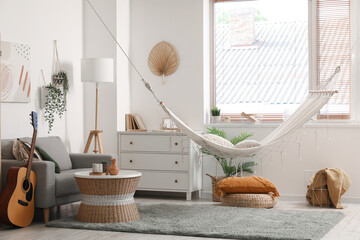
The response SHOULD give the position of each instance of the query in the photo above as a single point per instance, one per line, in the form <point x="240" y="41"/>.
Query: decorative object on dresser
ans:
<point x="17" y="199"/>
<point x="163" y="60"/>
<point x="107" y="199"/>
<point x="97" y="70"/>
<point x="134" y="122"/>
<point x="168" y="124"/>
<point x="168" y="161"/>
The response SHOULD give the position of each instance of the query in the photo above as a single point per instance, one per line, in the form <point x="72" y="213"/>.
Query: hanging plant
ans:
<point x="55" y="99"/>
<point x="61" y="79"/>
<point x="55" y="104"/>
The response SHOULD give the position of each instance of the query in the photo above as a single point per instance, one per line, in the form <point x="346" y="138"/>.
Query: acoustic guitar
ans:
<point x="17" y="199"/>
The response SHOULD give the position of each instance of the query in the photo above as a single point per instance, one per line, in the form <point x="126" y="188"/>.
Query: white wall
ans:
<point x="181" y="24"/>
<point x="320" y="147"/>
<point x="99" y="44"/>
<point x="123" y="73"/>
<point x="38" y="23"/>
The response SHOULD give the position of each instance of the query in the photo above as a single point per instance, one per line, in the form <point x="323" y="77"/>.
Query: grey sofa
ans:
<point x="52" y="189"/>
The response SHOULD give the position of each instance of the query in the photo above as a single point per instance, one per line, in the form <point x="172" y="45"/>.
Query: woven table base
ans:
<point x="107" y="214"/>
<point x="251" y="200"/>
<point x="107" y="200"/>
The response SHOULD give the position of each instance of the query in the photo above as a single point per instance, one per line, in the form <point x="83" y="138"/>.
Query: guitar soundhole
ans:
<point x="29" y="194"/>
<point x="26" y="184"/>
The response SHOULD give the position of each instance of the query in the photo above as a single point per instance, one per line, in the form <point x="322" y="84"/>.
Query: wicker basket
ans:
<point x="214" y="181"/>
<point x="250" y="200"/>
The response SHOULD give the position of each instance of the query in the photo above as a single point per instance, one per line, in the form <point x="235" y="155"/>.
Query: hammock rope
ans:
<point x="315" y="100"/>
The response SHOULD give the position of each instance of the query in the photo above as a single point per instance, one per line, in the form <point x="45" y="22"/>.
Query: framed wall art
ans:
<point x="15" y="75"/>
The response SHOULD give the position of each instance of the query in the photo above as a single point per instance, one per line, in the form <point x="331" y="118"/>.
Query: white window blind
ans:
<point x="333" y="44"/>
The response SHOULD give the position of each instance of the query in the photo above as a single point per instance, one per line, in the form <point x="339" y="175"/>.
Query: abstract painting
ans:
<point x="15" y="72"/>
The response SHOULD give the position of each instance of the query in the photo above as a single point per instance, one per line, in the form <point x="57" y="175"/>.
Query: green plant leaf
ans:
<point x="215" y="131"/>
<point x="246" y="167"/>
<point x="55" y="104"/>
<point x="240" y="138"/>
<point x="227" y="165"/>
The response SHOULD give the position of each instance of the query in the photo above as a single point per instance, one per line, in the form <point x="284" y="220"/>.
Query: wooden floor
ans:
<point x="347" y="229"/>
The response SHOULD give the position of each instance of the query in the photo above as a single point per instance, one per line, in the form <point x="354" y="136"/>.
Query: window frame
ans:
<point x="354" y="86"/>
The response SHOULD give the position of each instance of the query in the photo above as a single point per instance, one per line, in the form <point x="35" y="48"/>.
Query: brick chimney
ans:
<point x="242" y="27"/>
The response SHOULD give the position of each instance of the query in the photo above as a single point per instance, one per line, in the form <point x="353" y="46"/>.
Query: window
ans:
<point x="263" y="60"/>
<point x="332" y="49"/>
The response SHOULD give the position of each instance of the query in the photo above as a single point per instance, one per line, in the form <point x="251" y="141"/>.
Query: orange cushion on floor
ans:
<point x="245" y="185"/>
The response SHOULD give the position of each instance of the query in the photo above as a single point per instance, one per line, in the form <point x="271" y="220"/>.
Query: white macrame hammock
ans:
<point x="315" y="100"/>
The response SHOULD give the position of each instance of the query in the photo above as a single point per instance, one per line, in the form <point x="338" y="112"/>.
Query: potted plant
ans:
<point x="54" y="94"/>
<point x="227" y="165"/>
<point x="61" y="80"/>
<point x="215" y="113"/>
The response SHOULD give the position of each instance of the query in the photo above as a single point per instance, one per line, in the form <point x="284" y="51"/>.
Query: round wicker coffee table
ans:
<point x="108" y="198"/>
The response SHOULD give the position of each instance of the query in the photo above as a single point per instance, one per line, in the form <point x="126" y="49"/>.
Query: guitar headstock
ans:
<point x="34" y="120"/>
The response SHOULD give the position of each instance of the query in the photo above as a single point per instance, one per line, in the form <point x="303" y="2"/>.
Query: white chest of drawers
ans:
<point x="168" y="161"/>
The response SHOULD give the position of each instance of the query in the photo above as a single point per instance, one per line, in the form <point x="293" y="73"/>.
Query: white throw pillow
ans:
<point x="247" y="144"/>
<point x="219" y="140"/>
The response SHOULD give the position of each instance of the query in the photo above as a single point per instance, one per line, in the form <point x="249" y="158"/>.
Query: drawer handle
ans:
<point x="131" y="142"/>
<point x="176" y="162"/>
<point x="176" y="144"/>
<point x="176" y="181"/>
<point x="131" y="161"/>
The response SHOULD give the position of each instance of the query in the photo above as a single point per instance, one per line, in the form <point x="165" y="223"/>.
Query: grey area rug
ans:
<point x="219" y="222"/>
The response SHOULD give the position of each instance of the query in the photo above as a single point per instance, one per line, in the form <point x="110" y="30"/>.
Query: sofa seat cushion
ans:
<point x="56" y="150"/>
<point x="65" y="183"/>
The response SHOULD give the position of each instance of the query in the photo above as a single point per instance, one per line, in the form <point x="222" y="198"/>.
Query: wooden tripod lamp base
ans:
<point x="98" y="141"/>
<point x="96" y="70"/>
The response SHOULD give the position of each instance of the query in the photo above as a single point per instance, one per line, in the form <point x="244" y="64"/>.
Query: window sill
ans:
<point x="314" y="124"/>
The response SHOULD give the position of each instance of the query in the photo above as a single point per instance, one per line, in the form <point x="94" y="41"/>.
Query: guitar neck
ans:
<point x="31" y="155"/>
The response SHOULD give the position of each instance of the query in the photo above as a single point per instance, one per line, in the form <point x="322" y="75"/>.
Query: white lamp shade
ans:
<point x="98" y="70"/>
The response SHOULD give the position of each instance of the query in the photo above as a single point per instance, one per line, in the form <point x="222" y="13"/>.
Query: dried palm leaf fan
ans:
<point x="163" y="60"/>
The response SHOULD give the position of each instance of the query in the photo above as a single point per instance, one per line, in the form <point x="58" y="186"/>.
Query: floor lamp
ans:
<point x="96" y="70"/>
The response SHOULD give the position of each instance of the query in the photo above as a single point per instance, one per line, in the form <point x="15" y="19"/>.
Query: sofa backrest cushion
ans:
<point x="6" y="149"/>
<point x="55" y="148"/>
